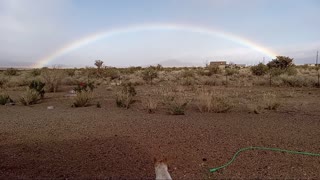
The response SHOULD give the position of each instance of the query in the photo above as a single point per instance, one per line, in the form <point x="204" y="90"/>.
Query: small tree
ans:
<point x="99" y="64"/>
<point x="259" y="70"/>
<point x="281" y="62"/>
<point x="149" y="74"/>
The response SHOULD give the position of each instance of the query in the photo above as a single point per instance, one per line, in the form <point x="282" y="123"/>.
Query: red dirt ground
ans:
<point x="110" y="142"/>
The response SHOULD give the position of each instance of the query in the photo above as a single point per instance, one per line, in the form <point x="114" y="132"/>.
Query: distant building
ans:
<point x="221" y="64"/>
<point x="311" y="65"/>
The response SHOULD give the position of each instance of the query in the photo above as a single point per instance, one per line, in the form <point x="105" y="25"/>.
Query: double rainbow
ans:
<point x="181" y="27"/>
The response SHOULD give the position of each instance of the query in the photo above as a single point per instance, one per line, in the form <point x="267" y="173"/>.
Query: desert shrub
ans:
<point x="211" y="81"/>
<point x="231" y="71"/>
<point x="4" y="99"/>
<point x="151" y="104"/>
<point x="70" y="72"/>
<point x="18" y="81"/>
<point x="29" y="97"/>
<point x="212" y="102"/>
<point x="276" y="71"/>
<point x="297" y="81"/>
<point x="90" y="72"/>
<point x="176" y="102"/>
<point x="52" y="78"/>
<point x="291" y="71"/>
<point x="136" y="81"/>
<point x="112" y="73"/>
<point x="124" y="97"/>
<point x="204" y="72"/>
<point x="82" y="99"/>
<point x="214" y="69"/>
<point x="177" y="105"/>
<point x="84" y="87"/>
<point x="259" y="70"/>
<point x="11" y="72"/>
<point x="149" y="74"/>
<point x="3" y="81"/>
<point x="271" y="101"/>
<point x="187" y="73"/>
<point x="38" y="86"/>
<point x="188" y="81"/>
<point x="70" y="81"/>
<point x="35" y="72"/>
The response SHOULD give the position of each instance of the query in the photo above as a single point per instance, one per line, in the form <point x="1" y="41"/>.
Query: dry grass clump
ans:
<point x="3" y="81"/>
<point x="151" y="104"/>
<point x="82" y="99"/>
<point x="53" y="78"/>
<point x="124" y="97"/>
<point x="213" y="102"/>
<point x="271" y="101"/>
<point x="176" y="101"/>
<point x="30" y="97"/>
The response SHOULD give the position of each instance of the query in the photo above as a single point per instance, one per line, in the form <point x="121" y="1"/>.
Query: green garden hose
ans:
<point x="261" y="148"/>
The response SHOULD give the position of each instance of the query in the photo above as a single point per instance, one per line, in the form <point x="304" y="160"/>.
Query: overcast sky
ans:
<point x="31" y="30"/>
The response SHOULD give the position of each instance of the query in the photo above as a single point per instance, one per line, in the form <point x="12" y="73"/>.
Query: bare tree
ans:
<point x="98" y="63"/>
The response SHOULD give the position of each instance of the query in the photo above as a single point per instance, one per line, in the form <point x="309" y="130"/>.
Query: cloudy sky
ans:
<point x="142" y="32"/>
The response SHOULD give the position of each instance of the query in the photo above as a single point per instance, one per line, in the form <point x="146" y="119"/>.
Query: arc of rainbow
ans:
<point x="112" y="32"/>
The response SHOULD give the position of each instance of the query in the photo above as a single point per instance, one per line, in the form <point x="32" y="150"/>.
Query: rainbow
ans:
<point x="129" y="29"/>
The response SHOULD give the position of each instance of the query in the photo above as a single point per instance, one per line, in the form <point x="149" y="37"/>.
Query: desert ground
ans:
<point x="104" y="141"/>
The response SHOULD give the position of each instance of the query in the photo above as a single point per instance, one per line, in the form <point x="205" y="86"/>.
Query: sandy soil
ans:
<point x="111" y="142"/>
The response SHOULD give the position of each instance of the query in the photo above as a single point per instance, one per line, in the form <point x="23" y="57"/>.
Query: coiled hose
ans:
<point x="262" y="148"/>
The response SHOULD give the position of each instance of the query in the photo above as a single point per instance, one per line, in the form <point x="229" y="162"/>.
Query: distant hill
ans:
<point x="14" y="64"/>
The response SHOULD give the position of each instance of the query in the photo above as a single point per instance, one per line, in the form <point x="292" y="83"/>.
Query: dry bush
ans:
<point x="30" y="97"/>
<point x="35" y="72"/>
<point x="82" y="99"/>
<point x="175" y="100"/>
<point x="255" y="108"/>
<point x="211" y="81"/>
<point x="212" y="102"/>
<point x="149" y="74"/>
<point x="71" y="81"/>
<point x="18" y="81"/>
<point x="214" y="69"/>
<point x="53" y="78"/>
<point x="298" y="81"/>
<point x="3" y="81"/>
<point x="271" y="101"/>
<point x="4" y="98"/>
<point x="135" y="79"/>
<point x="187" y="73"/>
<point x="204" y="72"/>
<point x="261" y="81"/>
<point x="11" y="72"/>
<point x="124" y="97"/>
<point x="151" y="104"/>
<point x="188" y="81"/>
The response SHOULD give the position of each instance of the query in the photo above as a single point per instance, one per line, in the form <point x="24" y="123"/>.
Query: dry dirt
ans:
<point x="111" y="142"/>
